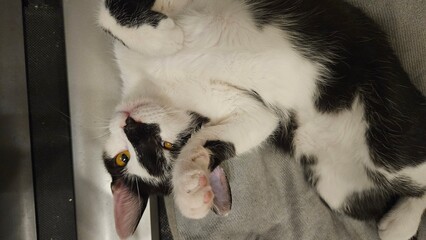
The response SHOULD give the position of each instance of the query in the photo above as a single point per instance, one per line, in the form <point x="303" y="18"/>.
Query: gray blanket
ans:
<point x="270" y="197"/>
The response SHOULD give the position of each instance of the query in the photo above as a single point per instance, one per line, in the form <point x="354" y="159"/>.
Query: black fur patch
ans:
<point x="220" y="151"/>
<point x="403" y="186"/>
<point x="196" y="123"/>
<point x="371" y="204"/>
<point x="284" y="135"/>
<point x="308" y="163"/>
<point x="414" y="237"/>
<point x="133" y="13"/>
<point x="374" y="203"/>
<point x="146" y="140"/>
<point x="397" y="131"/>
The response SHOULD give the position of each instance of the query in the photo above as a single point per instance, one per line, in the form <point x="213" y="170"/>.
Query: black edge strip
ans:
<point x="160" y="226"/>
<point x="155" y="218"/>
<point x="49" y="122"/>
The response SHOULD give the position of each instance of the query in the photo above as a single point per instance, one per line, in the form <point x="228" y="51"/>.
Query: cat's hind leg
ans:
<point x="403" y="221"/>
<point x="139" y="26"/>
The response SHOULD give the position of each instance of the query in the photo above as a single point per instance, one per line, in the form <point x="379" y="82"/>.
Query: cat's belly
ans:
<point x="334" y="154"/>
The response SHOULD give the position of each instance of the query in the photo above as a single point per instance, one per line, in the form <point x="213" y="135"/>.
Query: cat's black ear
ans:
<point x="222" y="201"/>
<point x="128" y="208"/>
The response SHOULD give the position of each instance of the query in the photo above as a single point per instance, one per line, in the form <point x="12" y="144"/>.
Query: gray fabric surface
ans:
<point x="270" y="197"/>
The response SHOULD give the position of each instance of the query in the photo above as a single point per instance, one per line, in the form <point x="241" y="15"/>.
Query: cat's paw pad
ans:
<point x="194" y="197"/>
<point x="192" y="191"/>
<point x="399" y="224"/>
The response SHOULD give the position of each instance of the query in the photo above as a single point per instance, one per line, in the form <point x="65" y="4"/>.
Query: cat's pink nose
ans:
<point x="126" y="113"/>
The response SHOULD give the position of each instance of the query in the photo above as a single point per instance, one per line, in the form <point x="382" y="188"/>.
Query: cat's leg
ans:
<point x="247" y="128"/>
<point x="143" y="25"/>
<point x="403" y="221"/>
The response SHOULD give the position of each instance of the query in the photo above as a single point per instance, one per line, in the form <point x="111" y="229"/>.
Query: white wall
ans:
<point x="94" y="91"/>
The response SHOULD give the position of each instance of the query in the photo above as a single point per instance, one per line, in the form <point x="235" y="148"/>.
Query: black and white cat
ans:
<point x="204" y="81"/>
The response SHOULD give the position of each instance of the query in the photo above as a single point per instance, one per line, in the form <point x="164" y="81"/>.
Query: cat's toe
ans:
<point x="193" y="181"/>
<point x="192" y="191"/>
<point x="193" y="194"/>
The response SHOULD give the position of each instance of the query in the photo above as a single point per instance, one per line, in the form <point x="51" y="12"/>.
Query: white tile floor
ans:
<point x="94" y="91"/>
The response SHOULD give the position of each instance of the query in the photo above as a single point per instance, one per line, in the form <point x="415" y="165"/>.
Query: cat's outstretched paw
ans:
<point x="401" y="223"/>
<point x="192" y="191"/>
<point x="166" y="38"/>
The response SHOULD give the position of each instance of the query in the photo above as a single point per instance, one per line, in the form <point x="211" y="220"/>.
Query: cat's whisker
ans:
<point x="78" y="123"/>
<point x="68" y="117"/>
<point x="139" y="196"/>
<point x="101" y="136"/>
<point x="130" y="181"/>
<point x="101" y="128"/>
<point x="170" y="110"/>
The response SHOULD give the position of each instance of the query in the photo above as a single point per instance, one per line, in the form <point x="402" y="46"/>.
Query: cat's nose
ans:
<point x="131" y="126"/>
<point x="130" y="121"/>
<point x="132" y="129"/>
<point x="138" y="132"/>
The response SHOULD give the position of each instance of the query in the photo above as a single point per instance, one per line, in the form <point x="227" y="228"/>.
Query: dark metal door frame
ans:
<point x="49" y="119"/>
<point x="17" y="220"/>
<point x="33" y="33"/>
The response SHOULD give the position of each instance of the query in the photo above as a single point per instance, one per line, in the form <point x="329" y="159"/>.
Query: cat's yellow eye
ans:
<point x="167" y="145"/>
<point x="122" y="158"/>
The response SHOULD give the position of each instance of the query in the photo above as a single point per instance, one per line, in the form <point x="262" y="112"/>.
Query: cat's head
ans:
<point x="145" y="139"/>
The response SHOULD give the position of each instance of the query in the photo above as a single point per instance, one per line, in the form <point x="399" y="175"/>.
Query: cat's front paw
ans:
<point x="401" y="223"/>
<point x="192" y="191"/>
<point x="164" y="38"/>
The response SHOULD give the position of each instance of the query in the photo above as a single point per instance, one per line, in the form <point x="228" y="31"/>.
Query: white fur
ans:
<point x="403" y="220"/>
<point x="338" y="142"/>
<point x="223" y="53"/>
